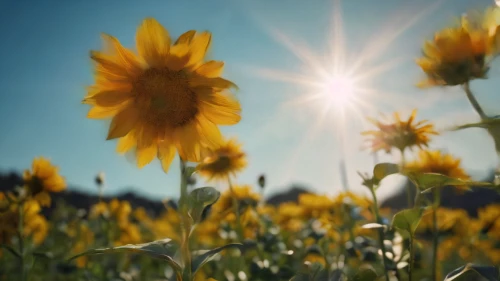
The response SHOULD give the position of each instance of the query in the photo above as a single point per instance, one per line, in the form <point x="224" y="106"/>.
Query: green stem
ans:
<point x="473" y="101"/>
<point x="380" y="233"/>
<point x="185" y="225"/>
<point x="435" y="233"/>
<point x="412" y="257"/>
<point x="21" y="241"/>
<point x="236" y="206"/>
<point x="407" y="184"/>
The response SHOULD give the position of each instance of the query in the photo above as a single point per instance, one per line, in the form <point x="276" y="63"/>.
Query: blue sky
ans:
<point x="45" y="67"/>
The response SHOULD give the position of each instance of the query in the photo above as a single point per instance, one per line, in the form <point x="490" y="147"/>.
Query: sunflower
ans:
<point x="460" y="54"/>
<point x="437" y="162"/>
<point x="43" y="179"/>
<point x="399" y="134"/>
<point x="165" y="99"/>
<point x="225" y="161"/>
<point x="243" y="194"/>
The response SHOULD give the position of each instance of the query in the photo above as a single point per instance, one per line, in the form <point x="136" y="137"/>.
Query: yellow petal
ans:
<point x="107" y="98"/>
<point x="211" y="69"/>
<point x="146" y="154"/>
<point x="187" y="141"/>
<point x="100" y="112"/>
<point x="166" y="153"/>
<point x="178" y="57"/>
<point x="216" y="83"/>
<point x="123" y="123"/>
<point x="125" y="56"/>
<point x="221" y="109"/>
<point x="199" y="47"/>
<point x="153" y="42"/>
<point x="209" y="133"/>
<point x="186" y="37"/>
<point x="126" y="143"/>
<point x="108" y="64"/>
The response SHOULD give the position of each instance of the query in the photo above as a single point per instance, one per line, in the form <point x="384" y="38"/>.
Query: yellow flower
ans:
<point x="399" y="134"/>
<point x="35" y="226"/>
<point x="83" y="239"/>
<point x="42" y="179"/>
<point x="447" y="220"/>
<point x="315" y="258"/>
<point x="315" y="205"/>
<point x="225" y="161"/>
<point x="437" y="162"/>
<point x="460" y="54"/>
<point x="243" y="194"/>
<point x="166" y="99"/>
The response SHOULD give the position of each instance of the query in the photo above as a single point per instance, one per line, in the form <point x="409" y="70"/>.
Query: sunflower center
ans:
<point x="35" y="185"/>
<point x="165" y="98"/>
<point x="222" y="163"/>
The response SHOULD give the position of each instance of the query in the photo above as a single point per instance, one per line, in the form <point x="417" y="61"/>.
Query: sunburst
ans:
<point x="338" y="86"/>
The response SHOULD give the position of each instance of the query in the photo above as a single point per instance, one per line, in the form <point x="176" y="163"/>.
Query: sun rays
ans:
<point x="338" y="86"/>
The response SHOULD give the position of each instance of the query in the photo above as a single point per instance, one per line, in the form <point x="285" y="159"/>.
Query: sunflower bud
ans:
<point x="99" y="179"/>
<point x="262" y="181"/>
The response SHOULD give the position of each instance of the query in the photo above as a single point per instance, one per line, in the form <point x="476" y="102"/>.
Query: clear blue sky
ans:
<point x="44" y="68"/>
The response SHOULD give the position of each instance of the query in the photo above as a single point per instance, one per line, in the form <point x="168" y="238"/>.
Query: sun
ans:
<point x="339" y="90"/>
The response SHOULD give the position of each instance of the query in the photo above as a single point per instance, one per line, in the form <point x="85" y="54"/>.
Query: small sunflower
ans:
<point x="400" y="134"/>
<point x="460" y="54"/>
<point x="437" y="162"/>
<point x="42" y="180"/>
<point x="165" y="99"/>
<point x="243" y="194"/>
<point x="225" y="161"/>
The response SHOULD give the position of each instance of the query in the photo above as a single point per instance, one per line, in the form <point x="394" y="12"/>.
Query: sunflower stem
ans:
<point x="236" y="206"/>
<point x="435" y="234"/>
<point x="473" y="101"/>
<point x="412" y="257"/>
<point x="22" y="253"/>
<point x="380" y="233"/>
<point x="185" y="225"/>
<point x="407" y="183"/>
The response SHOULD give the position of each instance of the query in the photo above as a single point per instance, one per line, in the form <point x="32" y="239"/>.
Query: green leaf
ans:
<point x="407" y="220"/>
<point x="205" y="256"/>
<point x="365" y="275"/>
<point x="162" y="249"/>
<point x="383" y="170"/>
<point x="426" y="181"/>
<point x="491" y="273"/>
<point x="199" y="199"/>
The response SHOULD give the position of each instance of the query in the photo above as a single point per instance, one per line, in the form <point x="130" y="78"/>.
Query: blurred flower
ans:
<point x="315" y="205"/>
<point x="315" y="258"/>
<point x="447" y="220"/>
<point x="489" y="219"/>
<point x="35" y="226"/>
<point x="167" y="99"/>
<point x="290" y="216"/>
<point x="83" y="238"/>
<point x="460" y="54"/>
<point x="399" y="134"/>
<point x="118" y="212"/>
<point x="227" y="160"/>
<point x="437" y="162"/>
<point x="243" y="194"/>
<point x="43" y="179"/>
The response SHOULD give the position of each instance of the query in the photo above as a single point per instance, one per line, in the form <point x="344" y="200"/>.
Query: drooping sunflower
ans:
<point x="437" y="162"/>
<point x="461" y="53"/>
<point x="43" y="179"/>
<point x="399" y="134"/>
<point x="165" y="99"/>
<point x="225" y="161"/>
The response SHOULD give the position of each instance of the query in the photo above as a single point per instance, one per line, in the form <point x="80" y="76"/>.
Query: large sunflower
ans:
<point x="165" y="99"/>
<point x="399" y="134"/>
<point x="225" y="161"/>
<point x="461" y="53"/>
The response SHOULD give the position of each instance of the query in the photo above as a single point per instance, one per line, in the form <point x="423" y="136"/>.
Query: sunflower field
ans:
<point x="166" y="100"/>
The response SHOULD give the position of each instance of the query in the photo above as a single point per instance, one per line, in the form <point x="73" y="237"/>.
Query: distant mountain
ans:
<point x="450" y="198"/>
